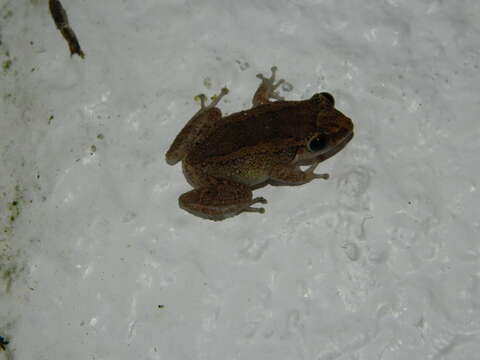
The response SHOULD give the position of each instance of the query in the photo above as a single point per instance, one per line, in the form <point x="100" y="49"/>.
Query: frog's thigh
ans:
<point x="195" y="130"/>
<point x="220" y="201"/>
<point x="293" y="175"/>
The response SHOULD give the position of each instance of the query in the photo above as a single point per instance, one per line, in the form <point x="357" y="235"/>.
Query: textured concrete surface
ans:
<point x="379" y="262"/>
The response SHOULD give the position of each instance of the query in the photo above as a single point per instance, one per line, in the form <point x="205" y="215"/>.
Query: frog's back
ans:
<point x="264" y="127"/>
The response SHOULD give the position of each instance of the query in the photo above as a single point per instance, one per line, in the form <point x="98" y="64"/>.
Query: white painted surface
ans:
<point x="379" y="262"/>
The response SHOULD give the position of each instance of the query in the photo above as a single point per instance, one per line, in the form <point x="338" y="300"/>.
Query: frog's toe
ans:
<point x="312" y="175"/>
<point x="321" y="176"/>
<point x="270" y="81"/>
<point x="216" y="98"/>
<point x="254" y="209"/>
<point x="272" y="77"/>
<point x="260" y="200"/>
<point x="257" y="200"/>
<point x="202" y="98"/>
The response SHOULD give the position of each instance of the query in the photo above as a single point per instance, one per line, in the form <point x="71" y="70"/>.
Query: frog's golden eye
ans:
<point x="324" y="98"/>
<point x="318" y="143"/>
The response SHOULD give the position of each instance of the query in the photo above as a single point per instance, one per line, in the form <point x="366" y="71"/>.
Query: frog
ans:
<point x="226" y="158"/>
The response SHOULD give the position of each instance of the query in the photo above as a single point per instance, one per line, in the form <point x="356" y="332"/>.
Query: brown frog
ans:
<point x="225" y="158"/>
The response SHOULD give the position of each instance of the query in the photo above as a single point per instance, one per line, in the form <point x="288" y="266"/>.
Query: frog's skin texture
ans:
<point x="225" y="158"/>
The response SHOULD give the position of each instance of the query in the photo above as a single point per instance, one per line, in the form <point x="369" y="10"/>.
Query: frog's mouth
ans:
<point x="327" y="154"/>
<point x="336" y="148"/>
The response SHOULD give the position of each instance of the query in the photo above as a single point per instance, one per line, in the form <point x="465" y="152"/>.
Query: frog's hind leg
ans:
<point x="196" y="129"/>
<point x="266" y="89"/>
<point x="220" y="201"/>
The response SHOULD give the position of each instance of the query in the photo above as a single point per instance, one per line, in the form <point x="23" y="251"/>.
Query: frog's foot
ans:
<point x="266" y="89"/>
<point x="293" y="175"/>
<point x="215" y="100"/>
<point x="270" y="83"/>
<point x="220" y="201"/>
<point x="311" y="175"/>
<point x="257" y="200"/>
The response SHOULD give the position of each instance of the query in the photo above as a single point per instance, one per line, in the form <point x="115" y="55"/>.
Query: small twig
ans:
<point x="60" y="17"/>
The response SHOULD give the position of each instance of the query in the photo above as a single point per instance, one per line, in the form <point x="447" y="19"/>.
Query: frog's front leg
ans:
<point x="293" y="175"/>
<point x="220" y="201"/>
<point x="196" y="129"/>
<point x="266" y="89"/>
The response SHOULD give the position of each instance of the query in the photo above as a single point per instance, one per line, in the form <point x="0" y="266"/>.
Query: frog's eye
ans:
<point x="329" y="98"/>
<point x="324" y="97"/>
<point x="318" y="143"/>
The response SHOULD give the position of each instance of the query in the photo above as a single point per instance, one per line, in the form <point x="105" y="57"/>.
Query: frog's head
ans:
<point x="333" y="130"/>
